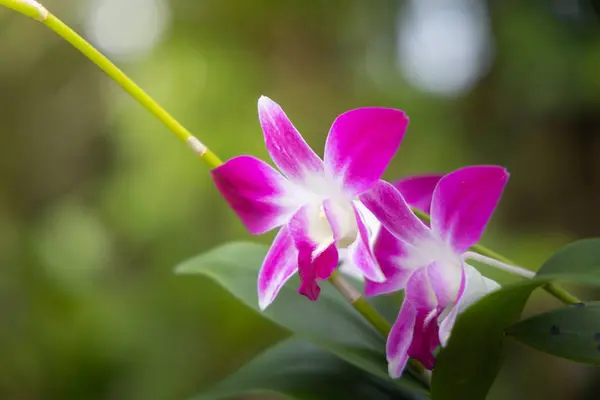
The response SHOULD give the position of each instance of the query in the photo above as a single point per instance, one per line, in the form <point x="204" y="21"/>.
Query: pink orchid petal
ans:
<point x="420" y="292"/>
<point x="463" y="203"/>
<point x="312" y="269"/>
<point x="425" y="338"/>
<point x="361" y="144"/>
<point x="445" y="280"/>
<point x="280" y="264"/>
<point x="400" y="339"/>
<point x="258" y="194"/>
<point x="361" y="255"/>
<point x="309" y="231"/>
<point x="316" y="260"/>
<point x="448" y="322"/>
<point x="415" y="331"/>
<point x="328" y="259"/>
<point x="395" y="281"/>
<point x="326" y="262"/>
<point x="284" y="143"/>
<point x="418" y="190"/>
<point x="390" y="208"/>
<point x="389" y="251"/>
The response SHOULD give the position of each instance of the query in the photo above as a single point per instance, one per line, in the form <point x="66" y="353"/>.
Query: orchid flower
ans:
<point x="429" y="262"/>
<point x="314" y="202"/>
<point x="417" y="191"/>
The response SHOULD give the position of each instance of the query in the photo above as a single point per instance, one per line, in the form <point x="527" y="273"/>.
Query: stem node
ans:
<point x="196" y="145"/>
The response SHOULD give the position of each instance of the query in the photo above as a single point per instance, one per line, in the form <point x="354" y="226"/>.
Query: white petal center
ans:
<point x="434" y="250"/>
<point x="315" y="190"/>
<point x="341" y="215"/>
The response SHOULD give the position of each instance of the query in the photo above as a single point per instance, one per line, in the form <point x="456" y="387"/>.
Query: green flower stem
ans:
<point x="360" y="303"/>
<point x="36" y="11"/>
<point x="552" y="288"/>
<point x="365" y="309"/>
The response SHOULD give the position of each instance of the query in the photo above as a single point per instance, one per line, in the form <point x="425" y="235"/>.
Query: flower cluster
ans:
<point x="338" y="209"/>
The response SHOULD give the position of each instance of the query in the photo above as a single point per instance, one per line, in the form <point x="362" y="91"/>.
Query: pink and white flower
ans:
<point x="312" y="201"/>
<point x="429" y="262"/>
<point x="417" y="190"/>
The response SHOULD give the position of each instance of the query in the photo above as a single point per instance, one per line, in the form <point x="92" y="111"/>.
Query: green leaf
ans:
<point x="295" y="369"/>
<point x="467" y="367"/>
<point x="331" y="323"/>
<point x="578" y="262"/>
<point x="572" y="332"/>
<point x="235" y="267"/>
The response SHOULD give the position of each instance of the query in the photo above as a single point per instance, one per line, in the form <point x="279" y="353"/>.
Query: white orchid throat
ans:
<point x="316" y="190"/>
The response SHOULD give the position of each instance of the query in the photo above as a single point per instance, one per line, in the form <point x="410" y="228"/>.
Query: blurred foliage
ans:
<point x="98" y="202"/>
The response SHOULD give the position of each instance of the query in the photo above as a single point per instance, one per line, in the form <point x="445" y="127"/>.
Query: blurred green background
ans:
<point x="98" y="201"/>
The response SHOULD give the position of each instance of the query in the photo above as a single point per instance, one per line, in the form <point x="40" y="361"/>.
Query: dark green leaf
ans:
<point x="331" y="322"/>
<point x="467" y="367"/>
<point x="572" y="332"/>
<point x="294" y="369"/>
<point x="578" y="262"/>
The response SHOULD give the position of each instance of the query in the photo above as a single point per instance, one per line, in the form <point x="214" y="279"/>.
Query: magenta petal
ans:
<point x="420" y="294"/>
<point x="280" y="264"/>
<point x="361" y="144"/>
<point x="390" y="208"/>
<point x="419" y="291"/>
<point x="448" y="322"/>
<point x="388" y="252"/>
<point x="400" y="339"/>
<point x="463" y="203"/>
<point x="360" y="253"/>
<point x="316" y="268"/>
<point x="425" y="338"/>
<point x="418" y="190"/>
<point x="256" y="192"/>
<point x="395" y="281"/>
<point x="308" y="277"/>
<point x="316" y="261"/>
<point x="286" y="146"/>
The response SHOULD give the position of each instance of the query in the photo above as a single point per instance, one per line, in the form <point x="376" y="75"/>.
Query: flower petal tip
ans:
<point x="493" y="170"/>
<point x="310" y="290"/>
<point x="395" y="370"/>
<point x="263" y="303"/>
<point x="265" y="102"/>
<point x="444" y="336"/>
<point x="378" y="276"/>
<point x="501" y="172"/>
